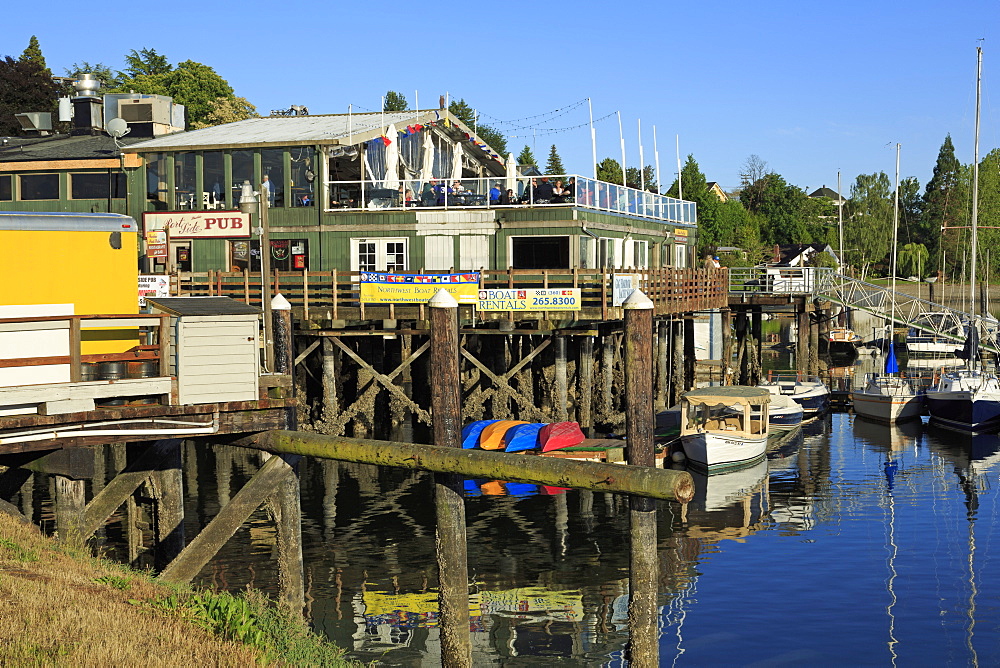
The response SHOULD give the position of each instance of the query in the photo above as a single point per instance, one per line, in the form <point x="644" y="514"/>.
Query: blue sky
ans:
<point x="809" y="88"/>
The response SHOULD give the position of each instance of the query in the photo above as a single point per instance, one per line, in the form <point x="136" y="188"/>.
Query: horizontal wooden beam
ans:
<point x="638" y="480"/>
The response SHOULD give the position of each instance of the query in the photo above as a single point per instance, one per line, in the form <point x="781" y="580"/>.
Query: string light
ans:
<point x="542" y="132"/>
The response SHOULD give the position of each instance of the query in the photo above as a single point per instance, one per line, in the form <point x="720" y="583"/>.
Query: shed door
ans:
<point x="217" y="360"/>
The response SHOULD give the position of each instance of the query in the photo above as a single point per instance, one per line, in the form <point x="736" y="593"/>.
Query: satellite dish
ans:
<point x="117" y="128"/>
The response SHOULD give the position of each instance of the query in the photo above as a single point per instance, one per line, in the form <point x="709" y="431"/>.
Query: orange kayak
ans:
<point x="492" y="436"/>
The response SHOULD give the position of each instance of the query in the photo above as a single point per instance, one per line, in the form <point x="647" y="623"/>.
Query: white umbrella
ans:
<point x="427" y="169"/>
<point x="511" y="173"/>
<point x="391" y="180"/>
<point x="456" y="164"/>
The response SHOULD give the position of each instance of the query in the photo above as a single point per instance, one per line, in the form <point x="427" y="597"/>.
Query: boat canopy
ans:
<point x="728" y="395"/>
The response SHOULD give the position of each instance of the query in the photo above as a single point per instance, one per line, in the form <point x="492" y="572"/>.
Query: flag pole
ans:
<point x="656" y="160"/>
<point x="621" y="140"/>
<point x="642" y="159"/>
<point x="593" y="138"/>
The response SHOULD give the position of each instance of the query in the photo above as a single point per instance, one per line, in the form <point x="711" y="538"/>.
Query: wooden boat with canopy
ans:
<point x="724" y="427"/>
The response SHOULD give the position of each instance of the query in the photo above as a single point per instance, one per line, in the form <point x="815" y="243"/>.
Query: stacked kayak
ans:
<point x="520" y="436"/>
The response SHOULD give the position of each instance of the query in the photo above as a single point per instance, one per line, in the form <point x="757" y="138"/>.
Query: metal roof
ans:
<point x="182" y="306"/>
<point x="61" y="147"/>
<point x="290" y="130"/>
<point x="65" y="221"/>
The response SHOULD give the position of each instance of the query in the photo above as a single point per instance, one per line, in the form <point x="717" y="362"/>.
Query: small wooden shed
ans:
<point x="214" y="348"/>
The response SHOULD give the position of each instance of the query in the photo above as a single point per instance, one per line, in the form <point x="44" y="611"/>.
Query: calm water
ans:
<point x="822" y="555"/>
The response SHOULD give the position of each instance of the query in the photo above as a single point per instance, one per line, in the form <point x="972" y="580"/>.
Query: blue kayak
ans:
<point x="522" y="437"/>
<point x="471" y="432"/>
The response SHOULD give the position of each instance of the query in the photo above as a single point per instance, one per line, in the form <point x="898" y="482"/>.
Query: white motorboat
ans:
<point x="808" y="391"/>
<point x="719" y="430"/>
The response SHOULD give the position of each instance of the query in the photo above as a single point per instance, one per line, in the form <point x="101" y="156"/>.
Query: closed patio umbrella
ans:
<point x="427" y="167"/>
<point x="456" y="164"/>
<point x="511" y="173"/>
<point x="391" y="180"/>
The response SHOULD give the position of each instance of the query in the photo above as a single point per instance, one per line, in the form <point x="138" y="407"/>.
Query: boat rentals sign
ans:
<point x="530" y="299"/>
<point x="382" y="288"/>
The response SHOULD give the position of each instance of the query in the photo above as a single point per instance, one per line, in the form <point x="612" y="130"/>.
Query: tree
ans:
<point x="197" y="87"/>
<point x="146" y="62"/>
<point x="752" y="182"/>
<point x="108" y="77"/>
<point x="493" y="137"/>
<point x="526" y="157"/>
<point x="945" y="205"/>
<point x="695" y="189"/>
<point x="228" y="110"/>
<point x="24" y="86"/>
<point x="608" y="170"/>
<point x="868" y="223"/>
<point x="554" y="166"/>
<point x="648" y="178"/>
<point x="912" y="260"/>
<point x="33" y="52"/>
<point x="394" y="101"/>
<point x="989" y="214"/>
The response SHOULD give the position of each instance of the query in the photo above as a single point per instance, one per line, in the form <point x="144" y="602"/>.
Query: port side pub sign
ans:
<point x="199" y="224"/>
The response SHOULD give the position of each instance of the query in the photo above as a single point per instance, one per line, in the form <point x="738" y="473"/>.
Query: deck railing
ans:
<point x="153" y="338"/>
<point x="335" y="294"/>
<point x="503" y="192"/>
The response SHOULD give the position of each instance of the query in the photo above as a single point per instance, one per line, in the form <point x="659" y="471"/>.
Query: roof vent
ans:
<point x="35" y="121"/>
<point x="87" y="85"/>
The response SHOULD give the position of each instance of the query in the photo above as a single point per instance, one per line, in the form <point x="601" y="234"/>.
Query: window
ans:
<point x="156" y="180"/>
<point x="540" y="252"/>
<point x="97" y="185"/>
<point x="379" y="254"/>
<point x="609" y="252"/>
<point x="636" y="253"/>
<point x="39" y="186"/>
<point x="6" y="188"/>
<point x="286" y="254"/>
<point x="214" y="174"/>
<point x="273" y="166"/>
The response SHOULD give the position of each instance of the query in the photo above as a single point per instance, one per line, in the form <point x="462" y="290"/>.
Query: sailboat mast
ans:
<point x="975" y="183"/>
<point x="895" y="235"/>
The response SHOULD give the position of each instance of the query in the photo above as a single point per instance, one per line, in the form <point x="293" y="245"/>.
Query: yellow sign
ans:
<point x="530" y="299"/>
<point x="379" y="288"/>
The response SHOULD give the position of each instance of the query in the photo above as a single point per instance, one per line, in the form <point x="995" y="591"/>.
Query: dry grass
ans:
<point x="56" y="610"/>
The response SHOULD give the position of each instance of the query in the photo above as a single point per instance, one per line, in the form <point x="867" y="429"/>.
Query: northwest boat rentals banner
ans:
<point x="379" y="288"/>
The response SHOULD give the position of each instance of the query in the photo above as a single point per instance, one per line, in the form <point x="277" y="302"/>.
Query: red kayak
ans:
<point x="559" y="435"/>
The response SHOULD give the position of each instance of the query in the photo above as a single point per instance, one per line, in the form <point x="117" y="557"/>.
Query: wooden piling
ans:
<point x="585" y="378"/>
<point x="662" y="366"/>
<point x="284" y="508"/>
<point x="643" y="649"/>
<point x="727" y="346"/>
<point x="677" y="361"/>
<point x="451" y="541"/>
<point x="168" y="507"/>
<point x="802" y="339"/>
<point x="562" y="388"/>
<point x="690" y="355"/>
<point x="70" y="502"/>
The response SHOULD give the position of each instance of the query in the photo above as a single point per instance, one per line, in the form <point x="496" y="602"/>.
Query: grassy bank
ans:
<point x="59" y="606"/>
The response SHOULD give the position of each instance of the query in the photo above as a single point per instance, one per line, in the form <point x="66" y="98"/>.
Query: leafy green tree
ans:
<point x="228" y="110"/>
<point x="493" y="137"/>
<point x="753" y="182"/>
<point x="145" y="63"/>
<point x="394" y="101"/>
<point x="868" y="223"/>
<point x="608" y="170"/>
<point x="989" y="214"/>
<point x="554" y="164"/>
<point x="910" y="203"/>
<point x="526" y="157"/>
<point x="197" y="87"/>
<point x="33" y="52"/>
<point x="24" y="86"/>
<point x="946" y="204"/>
<point x="912" y="260"/>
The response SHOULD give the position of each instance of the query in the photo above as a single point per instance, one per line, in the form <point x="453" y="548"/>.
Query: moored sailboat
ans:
<point x="969" y="398"/>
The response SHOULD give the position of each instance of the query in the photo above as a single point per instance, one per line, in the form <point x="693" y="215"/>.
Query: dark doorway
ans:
<point x="540" y="252"/>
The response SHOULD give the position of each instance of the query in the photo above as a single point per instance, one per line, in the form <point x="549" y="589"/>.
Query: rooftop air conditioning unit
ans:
<point x="35" y="121"/>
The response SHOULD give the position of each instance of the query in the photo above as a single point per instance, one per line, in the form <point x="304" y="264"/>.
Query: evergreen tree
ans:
<point x="394" y="101"/>
<point x="554" y="166"/>
<point x="146" y="62"/>
<point x="609" y="170"/>
<point x="945" y="205"/>
<point x="109" y="78"/>
<point x="526" y="157"/>
<point x="33" y="52"/>
<point x="989" y="214"/>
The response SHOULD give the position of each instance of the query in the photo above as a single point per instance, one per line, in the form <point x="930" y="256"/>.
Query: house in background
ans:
<point x="800" y="255"/>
